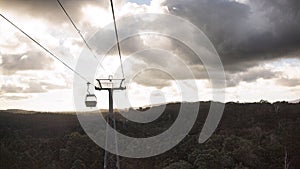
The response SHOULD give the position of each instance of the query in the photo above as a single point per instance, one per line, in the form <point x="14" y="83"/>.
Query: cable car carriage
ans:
<point x="90" y="99"/>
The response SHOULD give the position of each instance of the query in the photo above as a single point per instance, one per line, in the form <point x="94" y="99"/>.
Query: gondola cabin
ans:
<point x="90" y="100"/>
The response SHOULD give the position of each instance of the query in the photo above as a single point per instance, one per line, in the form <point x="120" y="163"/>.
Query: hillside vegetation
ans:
<point x="256" y="135"/>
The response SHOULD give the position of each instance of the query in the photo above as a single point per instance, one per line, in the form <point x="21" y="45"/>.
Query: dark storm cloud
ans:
<point x="49" y="9"/>
<point x="250" y="76"/>
<point x="245" y="34"/>
<point x="290" y="7"/>
<point x="153" y="78"/>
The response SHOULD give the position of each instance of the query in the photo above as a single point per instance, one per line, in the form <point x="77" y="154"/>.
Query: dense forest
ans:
<point x="250" y="135"/>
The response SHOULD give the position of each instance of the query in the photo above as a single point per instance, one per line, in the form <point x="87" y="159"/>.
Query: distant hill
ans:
<point x="19" y="111"/>
<point x="250" y="135"/>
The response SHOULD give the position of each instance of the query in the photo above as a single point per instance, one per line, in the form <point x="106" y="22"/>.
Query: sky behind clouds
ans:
<point x="258" y="42"/>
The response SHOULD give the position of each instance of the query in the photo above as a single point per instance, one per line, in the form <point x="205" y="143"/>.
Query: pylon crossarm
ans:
<point x="103" y="82"/>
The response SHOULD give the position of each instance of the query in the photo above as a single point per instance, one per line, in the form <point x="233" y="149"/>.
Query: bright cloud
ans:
<point x="259" y="51"/>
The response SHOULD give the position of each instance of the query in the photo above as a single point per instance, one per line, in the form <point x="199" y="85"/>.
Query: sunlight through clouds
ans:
<point x="31" y="79"/>
<point x="91" y="14"/>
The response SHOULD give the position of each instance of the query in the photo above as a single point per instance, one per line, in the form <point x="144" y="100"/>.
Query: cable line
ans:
<point x="117" y="36"/>
<point x="78" y="30"/>
<point x="48" y="51"/>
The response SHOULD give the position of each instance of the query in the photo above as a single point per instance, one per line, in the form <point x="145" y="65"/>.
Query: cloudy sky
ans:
<point x="258" y="42"/>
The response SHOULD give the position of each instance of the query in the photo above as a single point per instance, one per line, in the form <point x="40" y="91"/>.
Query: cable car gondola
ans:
<point x="90" y="99"/>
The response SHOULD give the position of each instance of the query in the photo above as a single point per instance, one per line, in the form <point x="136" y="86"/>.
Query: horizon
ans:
<point x="149" y="106"/>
